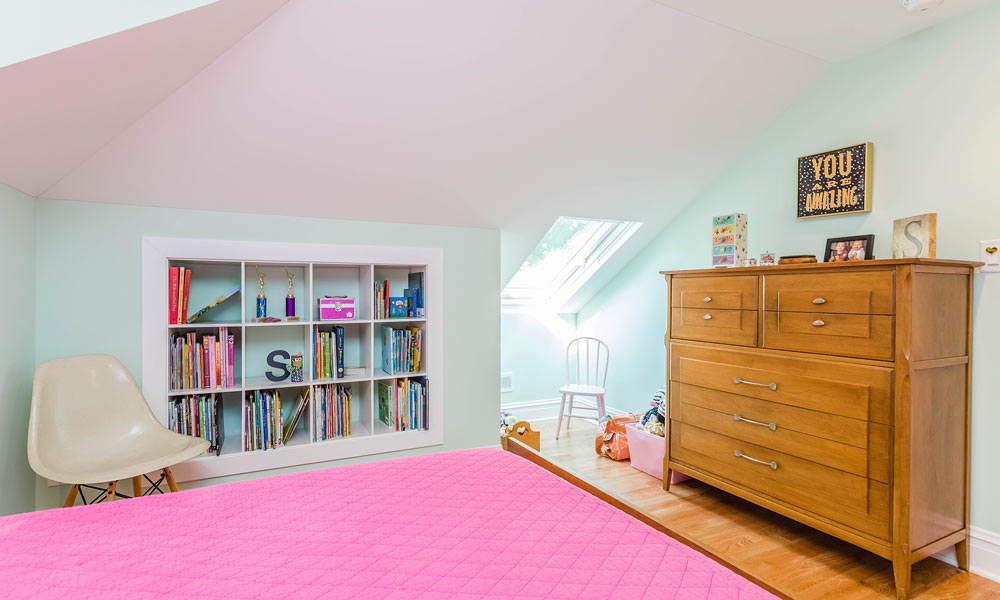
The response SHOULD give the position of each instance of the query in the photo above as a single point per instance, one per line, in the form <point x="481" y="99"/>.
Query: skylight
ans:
<point x="568" y="255"/>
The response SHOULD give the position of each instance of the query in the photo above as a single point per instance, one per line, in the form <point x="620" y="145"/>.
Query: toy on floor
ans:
<point x="654" y="421"/>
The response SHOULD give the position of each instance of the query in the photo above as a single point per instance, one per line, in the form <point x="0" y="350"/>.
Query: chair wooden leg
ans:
<point x="71" y="497"/>
<point x="569" y="415"/>
<point x="112" y="491"/>
<point x="170" y="479"/>
<point x="562" y="406"/>
<point x="136" y="487"/>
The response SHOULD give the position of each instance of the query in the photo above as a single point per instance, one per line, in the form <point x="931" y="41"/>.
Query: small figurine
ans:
<point x="290" y="298"/>
<point x="261" y="298"/>
<point x="767" y="259"/>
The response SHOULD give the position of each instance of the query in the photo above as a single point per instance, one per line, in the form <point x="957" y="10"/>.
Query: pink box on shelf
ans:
<point x="647" y="451"/>
<point x="336" y="308"/>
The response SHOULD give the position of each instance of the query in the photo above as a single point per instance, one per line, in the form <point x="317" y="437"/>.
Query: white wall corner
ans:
<point x="984" y="554"/>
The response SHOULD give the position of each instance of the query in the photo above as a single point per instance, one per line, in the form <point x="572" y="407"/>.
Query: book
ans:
<point x="198" y="416"/>
<point x="213" y="304"/>
<point x="388" y="358"/>
<point x="386" y="404"/>
<point x="184" y="295"/>
<point x="416" y="283"/>
<point x="355" y="371"/>
<point x="296" y="416"/>
<point x="202" y="360"/>
<point x="174" y="276"/>
<point x="339" y="331"/>
<point x="180" y="294"/>
<point x="397" y="308"/>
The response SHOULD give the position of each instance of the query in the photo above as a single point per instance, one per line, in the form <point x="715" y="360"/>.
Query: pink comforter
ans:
<point x="467" y="524"/>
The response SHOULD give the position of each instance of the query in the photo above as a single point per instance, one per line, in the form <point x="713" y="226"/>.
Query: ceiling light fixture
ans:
<point x="916" y="7"/>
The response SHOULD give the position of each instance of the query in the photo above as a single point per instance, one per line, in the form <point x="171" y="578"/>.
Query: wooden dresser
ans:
<point x="834" y="394"/>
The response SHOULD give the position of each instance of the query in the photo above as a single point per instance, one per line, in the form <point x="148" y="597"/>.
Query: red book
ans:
<point x="218" y="365"/>
<point x="173" y="295"/>
<point x="179" y="295"/>
<point x="187" y="288"/>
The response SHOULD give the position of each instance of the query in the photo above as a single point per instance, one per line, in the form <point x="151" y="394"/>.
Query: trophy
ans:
<point x="261" y="298"/>
<point x="290" y="298"/>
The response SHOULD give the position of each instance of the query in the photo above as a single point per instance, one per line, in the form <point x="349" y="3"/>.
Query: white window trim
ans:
<point x="596" y="251"/>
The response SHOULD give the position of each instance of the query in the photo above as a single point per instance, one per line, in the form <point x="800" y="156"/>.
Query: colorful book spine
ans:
<point x="184" y="296"/>
<point x="340" y="351"/>
<point x="174" y="275"/>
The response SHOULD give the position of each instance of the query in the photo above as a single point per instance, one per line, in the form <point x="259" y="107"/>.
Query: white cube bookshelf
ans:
<point x="320" y="270"/>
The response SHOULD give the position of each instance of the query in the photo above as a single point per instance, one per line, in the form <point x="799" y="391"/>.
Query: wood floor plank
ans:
<point x="797" y="560"/>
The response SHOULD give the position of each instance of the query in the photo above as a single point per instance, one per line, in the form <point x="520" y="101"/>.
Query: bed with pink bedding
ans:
<point x="467" y="524"/>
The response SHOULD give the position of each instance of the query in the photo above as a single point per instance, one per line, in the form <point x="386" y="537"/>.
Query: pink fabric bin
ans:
<point x="646" y="453"/>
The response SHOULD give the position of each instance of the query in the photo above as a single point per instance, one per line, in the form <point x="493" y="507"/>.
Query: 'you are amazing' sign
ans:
<point x="835" y="182"/>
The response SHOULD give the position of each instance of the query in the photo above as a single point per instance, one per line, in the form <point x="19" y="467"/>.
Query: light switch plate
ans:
<point x="989" y="253"/>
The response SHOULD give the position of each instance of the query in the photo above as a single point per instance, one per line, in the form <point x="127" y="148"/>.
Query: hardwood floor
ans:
<point x="796" y="560"/>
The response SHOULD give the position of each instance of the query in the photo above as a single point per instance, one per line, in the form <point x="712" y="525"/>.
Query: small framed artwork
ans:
<point x="835" y="182"/>
<point x="915" y="237"/>
<point x="850" y="249"/>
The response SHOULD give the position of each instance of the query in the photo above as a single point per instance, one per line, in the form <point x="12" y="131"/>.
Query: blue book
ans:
<point x="388" y="360"/>
<point x="397" y="307"/>
<point x="416" y="283"/>
<point x="340" y="350"/>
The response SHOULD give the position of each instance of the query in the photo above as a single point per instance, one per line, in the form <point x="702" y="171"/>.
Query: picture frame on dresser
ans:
<point x="836" y="395"/>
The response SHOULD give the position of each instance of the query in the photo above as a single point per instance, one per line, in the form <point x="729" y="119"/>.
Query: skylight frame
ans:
<point x="576" y="269"/>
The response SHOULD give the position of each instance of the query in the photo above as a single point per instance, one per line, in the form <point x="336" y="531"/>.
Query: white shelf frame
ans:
<point x="157" y="254"/>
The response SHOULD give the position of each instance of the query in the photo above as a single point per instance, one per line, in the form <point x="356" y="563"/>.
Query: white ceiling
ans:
<point x="35" y="27"/>
<point x="58" y="109"/>
<point x="833" y="30"/>
<point x="501" y="114"/>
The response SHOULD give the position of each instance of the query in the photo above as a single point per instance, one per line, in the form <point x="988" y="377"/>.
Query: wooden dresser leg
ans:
<point x="962" y="554"/>
<point x="136" y="487"/>
<point x="666" y="479"/>
<point x="71" y="497"/>
<point x="170" y="479"/>
<point x="901" y="570"/>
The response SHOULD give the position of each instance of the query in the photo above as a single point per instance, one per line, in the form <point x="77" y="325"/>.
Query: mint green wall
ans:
<point x="929" y="103"/>
<point x="533" y="347"/>
<point x="17" y="347"/>
<point x="88" y="287"/>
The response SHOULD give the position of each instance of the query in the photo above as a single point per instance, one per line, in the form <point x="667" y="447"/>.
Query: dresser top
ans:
<point x="866" y="264"/>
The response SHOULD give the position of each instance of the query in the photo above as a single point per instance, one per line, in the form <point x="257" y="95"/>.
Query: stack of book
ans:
<point x="328" y="353"/>
<point x="180" y="287"/>
<point x="262" y="421"/>
<point x="199" y="361"/>
<point x="409" y="305"/>
<point x="401" y="350"/>
<point x="402" y="403"/>
<point x="333" y="412"/>
<point x="198" y="416"/>
<point x="289" y="431"/>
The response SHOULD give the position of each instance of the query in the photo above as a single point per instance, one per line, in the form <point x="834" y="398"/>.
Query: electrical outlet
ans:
<point x="989" y="253"/>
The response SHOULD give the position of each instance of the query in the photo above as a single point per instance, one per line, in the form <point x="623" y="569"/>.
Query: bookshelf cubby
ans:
<point x="319" y="270"/>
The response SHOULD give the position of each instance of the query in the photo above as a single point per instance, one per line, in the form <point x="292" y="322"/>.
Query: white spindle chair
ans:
<point x="586" y="375"/>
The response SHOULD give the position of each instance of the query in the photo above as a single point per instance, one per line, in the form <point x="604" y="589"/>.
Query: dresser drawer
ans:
<point x="857" y="502"/>
<point x="851" y="445"/>
<point x="738" y="292"/>
<point x="848" y="293"/>
<point x="860" y="336"/>
<point x="737" y="327"/>
<point x="848" y="390"/>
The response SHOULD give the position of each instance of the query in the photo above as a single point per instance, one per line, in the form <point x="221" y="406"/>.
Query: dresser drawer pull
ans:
<point x="772" y="386"/>
<point x="820" y="300"/>
<point x="707" y="317"/>
<point x="772" y="464"/>
<point x="706" y="299"/>
<point x="818" y="323"/>
<point x="737" y="417"/>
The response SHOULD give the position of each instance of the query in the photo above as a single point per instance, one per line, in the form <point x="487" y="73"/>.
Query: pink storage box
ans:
<point x="647" y="451"/>
<point x="336" y="309"/>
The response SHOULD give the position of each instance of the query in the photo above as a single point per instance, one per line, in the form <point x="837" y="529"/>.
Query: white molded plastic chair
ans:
<point x="89" y="423"/>
<point x="586" y="375"/>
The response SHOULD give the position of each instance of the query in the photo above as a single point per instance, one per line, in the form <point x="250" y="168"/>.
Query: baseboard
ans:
<point x="548" y="409"/>
<point x="984" y="553"/>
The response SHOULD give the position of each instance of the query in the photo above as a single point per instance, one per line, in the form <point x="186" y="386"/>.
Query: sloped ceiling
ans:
<point x="58" y="109"/>
<point x="501" y="114"/>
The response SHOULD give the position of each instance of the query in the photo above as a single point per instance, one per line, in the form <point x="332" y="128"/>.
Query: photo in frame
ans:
<point x="852" y="248"/>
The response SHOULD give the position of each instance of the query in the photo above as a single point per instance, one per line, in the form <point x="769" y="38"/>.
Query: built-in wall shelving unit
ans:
<point x="319" y="270"/>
